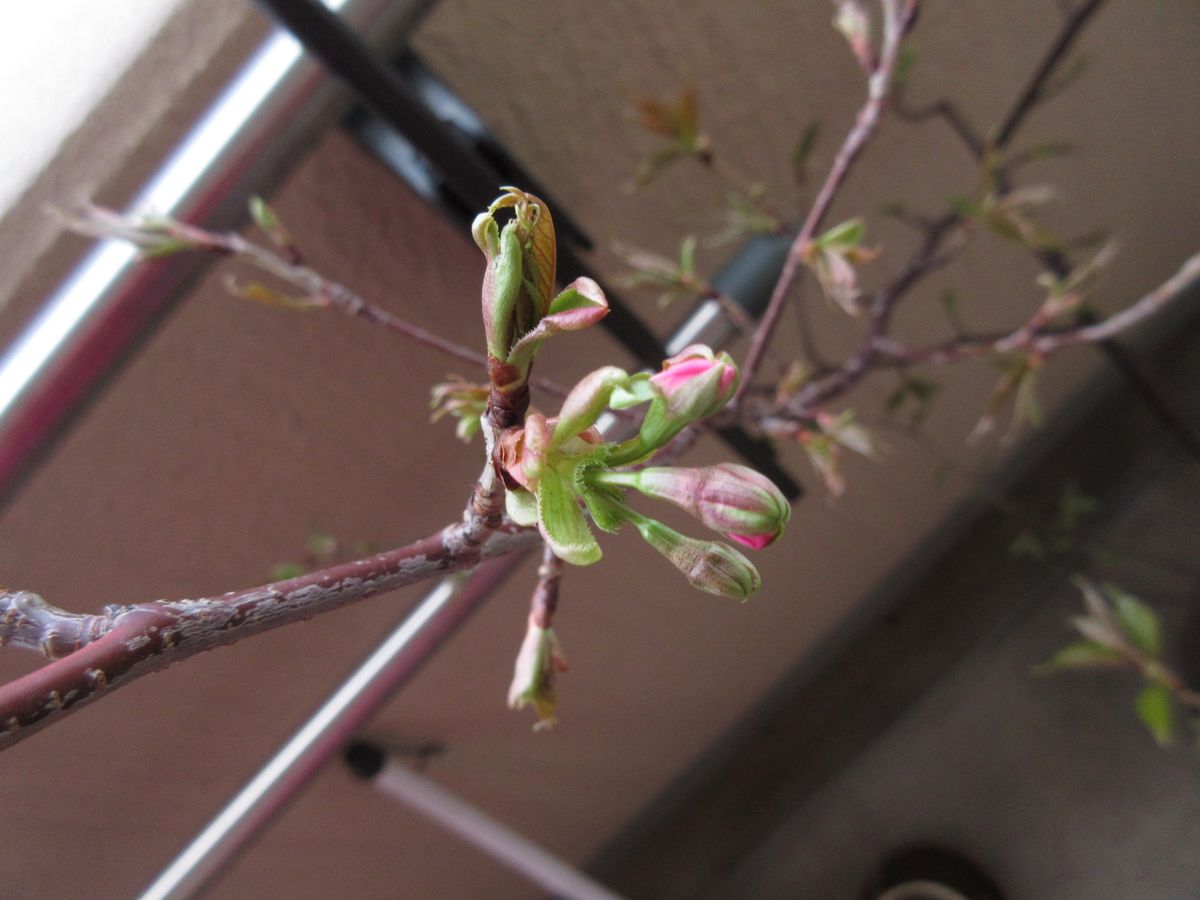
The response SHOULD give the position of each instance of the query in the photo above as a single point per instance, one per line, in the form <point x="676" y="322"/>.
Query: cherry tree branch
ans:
<point x="161" y="236"/>
<point x="880" y="351"/>
<point x="544" y="601"/>
<point x="949" y="113"/>
<point x="95" y="654"/>
<point x="1036" y="90"/>
<point x="898" y="19"/>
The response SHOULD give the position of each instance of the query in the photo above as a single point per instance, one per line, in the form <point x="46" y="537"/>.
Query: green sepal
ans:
<point x="604" y="504"/>
<point x="521" y="506"/>
<point x="586" y="401"/>
<point x="562" y="522"/>
<point x="636" y="391"/>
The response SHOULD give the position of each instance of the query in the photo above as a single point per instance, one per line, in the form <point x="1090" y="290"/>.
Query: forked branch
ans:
<point x="898" y="19"/>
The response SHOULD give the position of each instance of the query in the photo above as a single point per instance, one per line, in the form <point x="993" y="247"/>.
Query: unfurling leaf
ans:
<point x="539" y="661"/>
<point x="917" y="393"/>
<point x="794" y="377"/>
<point x="677" y="119"/>
<point x="678" y="122"/>
<point x="1016" y="387"/>
<point x="675" y="281"/>
<point x="1011" y="216"/>
<point x="257" y="292"/>
<point x="462" y="399"/>
<point x="854" y="23"/>
<point x="581" y="305"/>
<point x="1137" y="621"/>
<point x="269" y="224"/>
<point x="746" y="217"/>
<point x="1156" y="710"/>
<point x="833" y="257"/>
<point x="804" y="150"/>
<point x="1080" y="655"/>
<point x="905" y="63"/>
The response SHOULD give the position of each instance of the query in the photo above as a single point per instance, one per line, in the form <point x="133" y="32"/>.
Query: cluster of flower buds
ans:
<point x="520" y="309"/>
<point x="553" y="465"/>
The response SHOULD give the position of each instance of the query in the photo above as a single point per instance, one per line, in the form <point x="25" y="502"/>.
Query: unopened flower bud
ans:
<point x="854" y="23"/>
<point x="735" y="500"/>
<point x="539" y="660"/>
<point x="692" y="385"/>
<point x="708" y="565"/>
<point x="697" y="382"/>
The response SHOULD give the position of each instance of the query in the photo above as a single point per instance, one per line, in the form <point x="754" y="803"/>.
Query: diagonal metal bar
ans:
<point x="331" y="727"/>
<point x="397" y="781"/>
<point x="93" y="321"/>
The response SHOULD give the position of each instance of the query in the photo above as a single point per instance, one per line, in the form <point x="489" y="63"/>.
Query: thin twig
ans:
<point x="1035" y="90"/>
<point x="880" y="351"/>
<point x="1037" y="342"/>
<point x="544" y="601"/>
<point x="319" y="292"/>
<point x="897" y="22"/>
<point x="947" y="111"/>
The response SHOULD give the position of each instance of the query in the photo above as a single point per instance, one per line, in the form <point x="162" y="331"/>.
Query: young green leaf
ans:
<point x="844" y="235"/>
<point x="264" y="217"/>
<point x="1157" y="712"/>
<point x="804" y="149"/>
<point x="1080" y="655"/>
<point x="905" y="63"/>
<point x="1136" y="620"/>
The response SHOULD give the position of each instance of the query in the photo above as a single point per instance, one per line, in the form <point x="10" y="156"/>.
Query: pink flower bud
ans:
<point x="697" y="382"/>
<point x="735" y="500"/>
<point x="692" y="385"/>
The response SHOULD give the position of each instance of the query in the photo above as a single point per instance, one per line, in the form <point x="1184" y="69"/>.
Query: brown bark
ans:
<point x="97" y="654"/>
